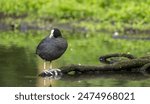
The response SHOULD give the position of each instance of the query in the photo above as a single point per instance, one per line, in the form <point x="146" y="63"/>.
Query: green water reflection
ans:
<point x="19" y="66"/>
<point x="107" y="79"/>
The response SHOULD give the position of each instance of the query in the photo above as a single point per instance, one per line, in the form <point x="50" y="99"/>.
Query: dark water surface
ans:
<point x="17" y="67"/>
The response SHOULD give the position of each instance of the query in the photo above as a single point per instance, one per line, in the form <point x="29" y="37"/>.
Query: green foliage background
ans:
<point x="112" y="14"/>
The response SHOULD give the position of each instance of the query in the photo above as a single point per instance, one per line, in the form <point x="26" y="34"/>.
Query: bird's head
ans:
<point x="55" y="33"/>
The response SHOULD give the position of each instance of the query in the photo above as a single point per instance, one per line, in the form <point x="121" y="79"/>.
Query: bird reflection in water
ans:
<point x="51" y="74"/>
<point x="51" y="48"/>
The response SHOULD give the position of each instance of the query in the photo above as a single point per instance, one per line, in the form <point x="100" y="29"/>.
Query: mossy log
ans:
<point x="132" y="64"/>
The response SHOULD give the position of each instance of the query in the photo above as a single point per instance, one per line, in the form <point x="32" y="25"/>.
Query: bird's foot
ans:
<point x="51" y="73"/>
<point x="45" y="73"/>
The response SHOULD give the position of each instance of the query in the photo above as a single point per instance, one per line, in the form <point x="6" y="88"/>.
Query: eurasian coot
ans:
<point x="52" y="47"/>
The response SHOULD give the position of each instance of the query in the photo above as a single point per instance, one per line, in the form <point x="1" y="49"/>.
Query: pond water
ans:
<point x="19" y="66"/>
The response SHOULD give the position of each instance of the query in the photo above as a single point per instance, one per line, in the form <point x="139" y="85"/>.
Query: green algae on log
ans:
<point x="133" y="64"/>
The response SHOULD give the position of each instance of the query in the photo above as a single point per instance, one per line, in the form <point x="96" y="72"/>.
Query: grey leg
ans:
<point x="50" y="65"/>
<point x="44" y="65"/>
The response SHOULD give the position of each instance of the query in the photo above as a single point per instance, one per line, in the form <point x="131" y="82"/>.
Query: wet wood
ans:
<point x="133" y="64"/>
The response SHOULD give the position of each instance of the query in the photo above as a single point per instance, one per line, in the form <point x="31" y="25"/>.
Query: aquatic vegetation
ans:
<point x="112" y="15"/>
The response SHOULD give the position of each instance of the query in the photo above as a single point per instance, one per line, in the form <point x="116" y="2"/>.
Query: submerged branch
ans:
<point x="131" y="65"/>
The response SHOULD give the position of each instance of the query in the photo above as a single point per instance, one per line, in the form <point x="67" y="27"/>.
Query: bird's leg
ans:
<point x="44" y="65"/>
<point x="50" y="65"/>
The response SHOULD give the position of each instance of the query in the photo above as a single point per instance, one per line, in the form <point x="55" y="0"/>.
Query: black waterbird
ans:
<point x="52" y="47"/>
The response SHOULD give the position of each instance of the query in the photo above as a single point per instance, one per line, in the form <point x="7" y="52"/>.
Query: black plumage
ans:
<point x="52" y="47"/>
